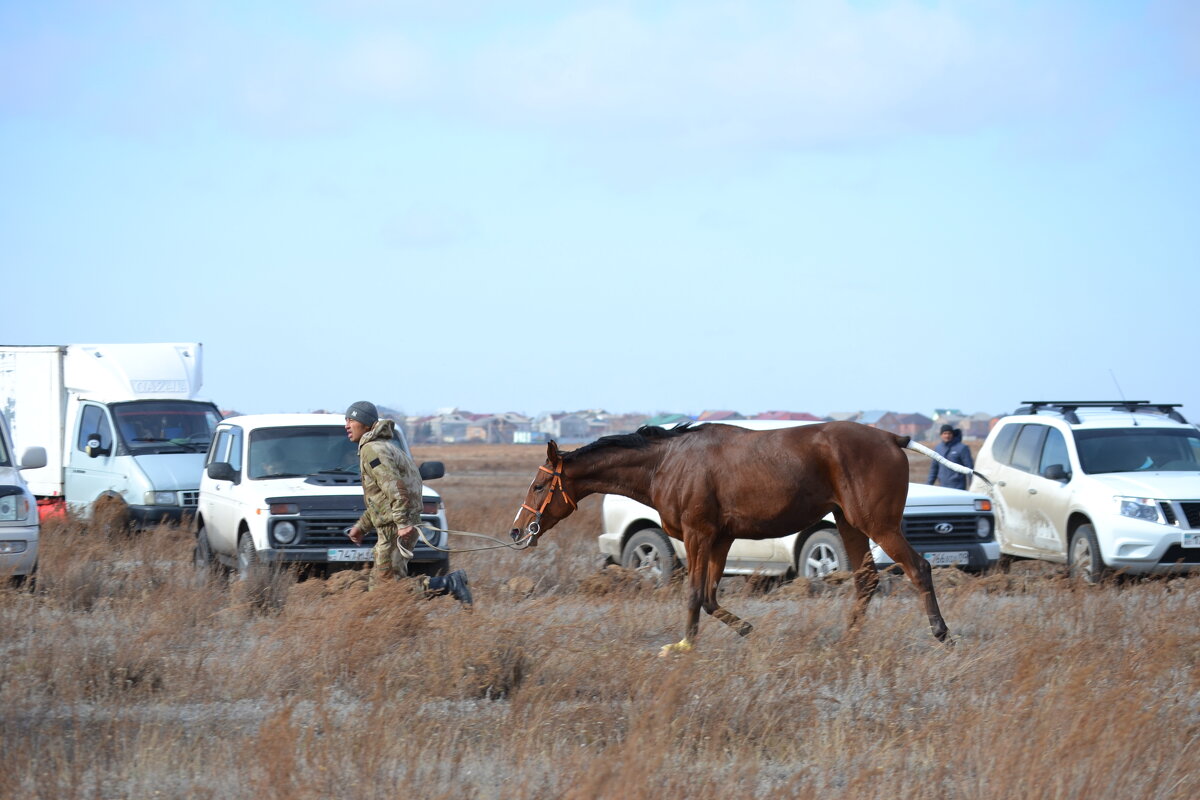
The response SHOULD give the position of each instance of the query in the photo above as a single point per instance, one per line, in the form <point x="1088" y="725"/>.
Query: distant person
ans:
<point x="392" y="487"/>
<point x="952" y="449"/>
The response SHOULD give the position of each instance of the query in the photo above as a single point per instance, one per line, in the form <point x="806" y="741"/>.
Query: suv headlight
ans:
<point x="161" y="499"/>
<point x="983" y="527"/>
<point x="284" y="532"/>
<point x="1142" y="508"/>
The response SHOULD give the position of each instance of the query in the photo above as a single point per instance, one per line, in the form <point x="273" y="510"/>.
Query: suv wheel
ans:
<point x="202" y="555"/>
<point x="649" y="553"/>
<point x="247" y="558"/>
<point x="821" y="554"/>
<point x="1084" y="562"/>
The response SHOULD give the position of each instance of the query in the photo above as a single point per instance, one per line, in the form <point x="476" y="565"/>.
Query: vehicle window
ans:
<point x="219" y="448"/>
<point x="1028" y="449"/>
<point x="300" y="451"/>
<point x="1054" y="451"/>
<point x="1003" y="446"/>
<point x="235" y="448"/>
<point x="93" y="423"/>
<point x="1138" y="450"/>
<point x="166" y="426"/>
<point x="4" y="457"/>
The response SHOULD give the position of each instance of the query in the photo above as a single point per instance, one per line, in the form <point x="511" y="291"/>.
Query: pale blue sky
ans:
<point x="816" y="206"/>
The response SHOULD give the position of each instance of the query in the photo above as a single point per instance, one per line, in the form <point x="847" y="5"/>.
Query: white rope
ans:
<point x="521" y="544"/>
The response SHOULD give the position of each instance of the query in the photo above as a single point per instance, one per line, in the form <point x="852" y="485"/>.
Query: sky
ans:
<point x="818" y="206"/>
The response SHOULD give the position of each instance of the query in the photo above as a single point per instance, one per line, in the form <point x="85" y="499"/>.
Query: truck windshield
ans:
<point x="1138" y="450"/>
<point x="300" y="451"/>
<point x="165" y="426"/>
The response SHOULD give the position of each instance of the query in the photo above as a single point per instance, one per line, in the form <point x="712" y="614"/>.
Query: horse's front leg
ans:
<point x="716" y="569"/>
<point x="697" y="560"/>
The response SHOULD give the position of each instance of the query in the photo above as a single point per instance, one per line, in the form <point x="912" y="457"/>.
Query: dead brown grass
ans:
<point x="129" y="674"/>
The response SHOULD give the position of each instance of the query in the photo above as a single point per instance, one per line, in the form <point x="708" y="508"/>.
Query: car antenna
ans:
<point x="1132" y="416"/>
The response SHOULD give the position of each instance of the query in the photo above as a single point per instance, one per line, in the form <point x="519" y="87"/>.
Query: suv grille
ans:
<point x="189" y="499"/>
<point x="932" y="528"/>
<point x="1180" y="555"/>
<point x="1192" y="512"/>
<point x="322" y="532"/>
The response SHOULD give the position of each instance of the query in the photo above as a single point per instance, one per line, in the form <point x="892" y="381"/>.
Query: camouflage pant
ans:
<point x="392" y="554"/>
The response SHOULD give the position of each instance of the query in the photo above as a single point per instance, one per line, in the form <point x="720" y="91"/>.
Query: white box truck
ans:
<point x="120" y="423"/>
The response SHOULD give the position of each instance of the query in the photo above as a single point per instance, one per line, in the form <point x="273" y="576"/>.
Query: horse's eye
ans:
<point x="539" y="487"/>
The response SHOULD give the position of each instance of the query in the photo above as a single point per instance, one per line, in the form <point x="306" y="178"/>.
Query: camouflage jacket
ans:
<point x="391" y="482"/>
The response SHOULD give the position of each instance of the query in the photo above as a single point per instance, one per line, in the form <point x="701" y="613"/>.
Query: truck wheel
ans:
<point x="110" y="513"/>
<point x="247" y="558"/>
<point x="821" y="554"/>
<point x="649" y="553"/>
<point x="202" y="555"/>
<point x="1084" y="562"/>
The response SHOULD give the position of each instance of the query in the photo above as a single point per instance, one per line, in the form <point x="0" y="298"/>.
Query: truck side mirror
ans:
<point x="221" y="471"/>
<point x="94" y="449"/>
<point x="33" y="458"/>
<point x="432" y="470"/>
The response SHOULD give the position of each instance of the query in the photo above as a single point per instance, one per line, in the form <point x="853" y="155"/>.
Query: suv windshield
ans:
<point x="165" y="426"/>
<point x="1138" y="450"/>
<point x="300" y="451"/>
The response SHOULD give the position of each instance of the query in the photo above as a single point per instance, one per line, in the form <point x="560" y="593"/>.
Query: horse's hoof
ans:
<point x="679" y="647"/>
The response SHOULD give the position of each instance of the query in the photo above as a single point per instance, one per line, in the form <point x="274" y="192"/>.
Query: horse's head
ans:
<point x="546" y="502"/>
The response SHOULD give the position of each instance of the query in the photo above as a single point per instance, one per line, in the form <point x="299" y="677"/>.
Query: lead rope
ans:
<point x="520" y="544"/>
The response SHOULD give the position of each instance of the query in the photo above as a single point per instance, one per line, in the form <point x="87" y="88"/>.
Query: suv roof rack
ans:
<point x="1068" y="407"/>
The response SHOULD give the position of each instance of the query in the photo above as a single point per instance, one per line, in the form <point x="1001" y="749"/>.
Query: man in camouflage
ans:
<point x="392" y="486"/>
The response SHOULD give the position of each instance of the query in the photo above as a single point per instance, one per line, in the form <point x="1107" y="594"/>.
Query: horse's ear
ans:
<point x="552" y="451"/>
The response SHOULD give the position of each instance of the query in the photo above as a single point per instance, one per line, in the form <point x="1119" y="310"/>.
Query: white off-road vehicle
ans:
<point x="1101" y="486"/>
<point x="285" y="488"/>
<point x="949" y="527"/>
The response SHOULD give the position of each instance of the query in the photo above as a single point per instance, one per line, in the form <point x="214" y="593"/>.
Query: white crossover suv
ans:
<point x="1101" y="486"/>
<point x="285" y="488"/>
<point x="949" y="527"/>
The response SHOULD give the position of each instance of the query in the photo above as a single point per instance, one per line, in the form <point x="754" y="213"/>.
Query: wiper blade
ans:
<point x="338" y="471"/>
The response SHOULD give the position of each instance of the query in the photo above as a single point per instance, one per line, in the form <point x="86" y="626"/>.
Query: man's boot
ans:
<point x="454" y="584"/>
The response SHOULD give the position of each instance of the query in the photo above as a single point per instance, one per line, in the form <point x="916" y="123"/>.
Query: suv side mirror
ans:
<point x="1056" y="472"/>
<point x="33" y="458"/>
<point x="94" y="449"/>
<point x="432" y="470"/>
<point x="221" y="471"/>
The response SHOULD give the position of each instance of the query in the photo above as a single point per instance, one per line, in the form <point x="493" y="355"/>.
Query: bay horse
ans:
<point x="715" y="483"/>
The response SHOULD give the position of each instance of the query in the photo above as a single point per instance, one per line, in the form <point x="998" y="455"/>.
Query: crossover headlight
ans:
<point x="1142" y="508"/>
<point x="284" y="532"/>
<point x="161" y="499"/>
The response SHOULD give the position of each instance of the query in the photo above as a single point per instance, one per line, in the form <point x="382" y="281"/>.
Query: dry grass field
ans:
<point x="128" y="674"/>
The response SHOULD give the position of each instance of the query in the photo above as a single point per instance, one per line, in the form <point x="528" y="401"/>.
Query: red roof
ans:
<point x="796" y="415"/>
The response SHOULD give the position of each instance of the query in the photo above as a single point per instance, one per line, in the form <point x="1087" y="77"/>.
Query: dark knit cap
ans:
<point x="364" y="412"/>
<point x="945" y="428"/>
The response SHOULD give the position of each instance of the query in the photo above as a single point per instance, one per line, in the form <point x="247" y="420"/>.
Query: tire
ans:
<point x="247" y="557"/>
<point x="649" y="553"/>
<point x="1084" y="562"/>
<point x="202" y="555"/>
<point x="821" y="554"/>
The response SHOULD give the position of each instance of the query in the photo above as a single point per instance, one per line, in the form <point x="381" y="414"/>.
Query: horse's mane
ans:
<point x="640" y="439"/>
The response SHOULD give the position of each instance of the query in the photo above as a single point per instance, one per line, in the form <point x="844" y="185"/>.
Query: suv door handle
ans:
<point x="1033" y="491"/>
<point x="1001" y="483"/>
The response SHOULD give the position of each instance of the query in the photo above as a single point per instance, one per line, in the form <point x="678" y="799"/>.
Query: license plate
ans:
<point x="949" y="559"/>
<point x="350" y="554"/>
<point x="1191" y="539"/>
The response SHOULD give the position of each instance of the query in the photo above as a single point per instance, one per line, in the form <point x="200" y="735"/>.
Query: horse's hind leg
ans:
<point x="919" y="573"/>
<point x="866" y="576"/>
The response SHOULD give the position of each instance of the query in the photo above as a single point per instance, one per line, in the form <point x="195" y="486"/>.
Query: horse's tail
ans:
<point x="907" y="443"/>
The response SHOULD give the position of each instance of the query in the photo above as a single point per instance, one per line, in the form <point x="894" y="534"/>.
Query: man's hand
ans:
<point x="407" y="537"/>
<point x="355" y="534"/>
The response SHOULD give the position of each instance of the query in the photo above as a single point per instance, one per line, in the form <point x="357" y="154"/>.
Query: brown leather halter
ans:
<point x="556" y="484"/>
